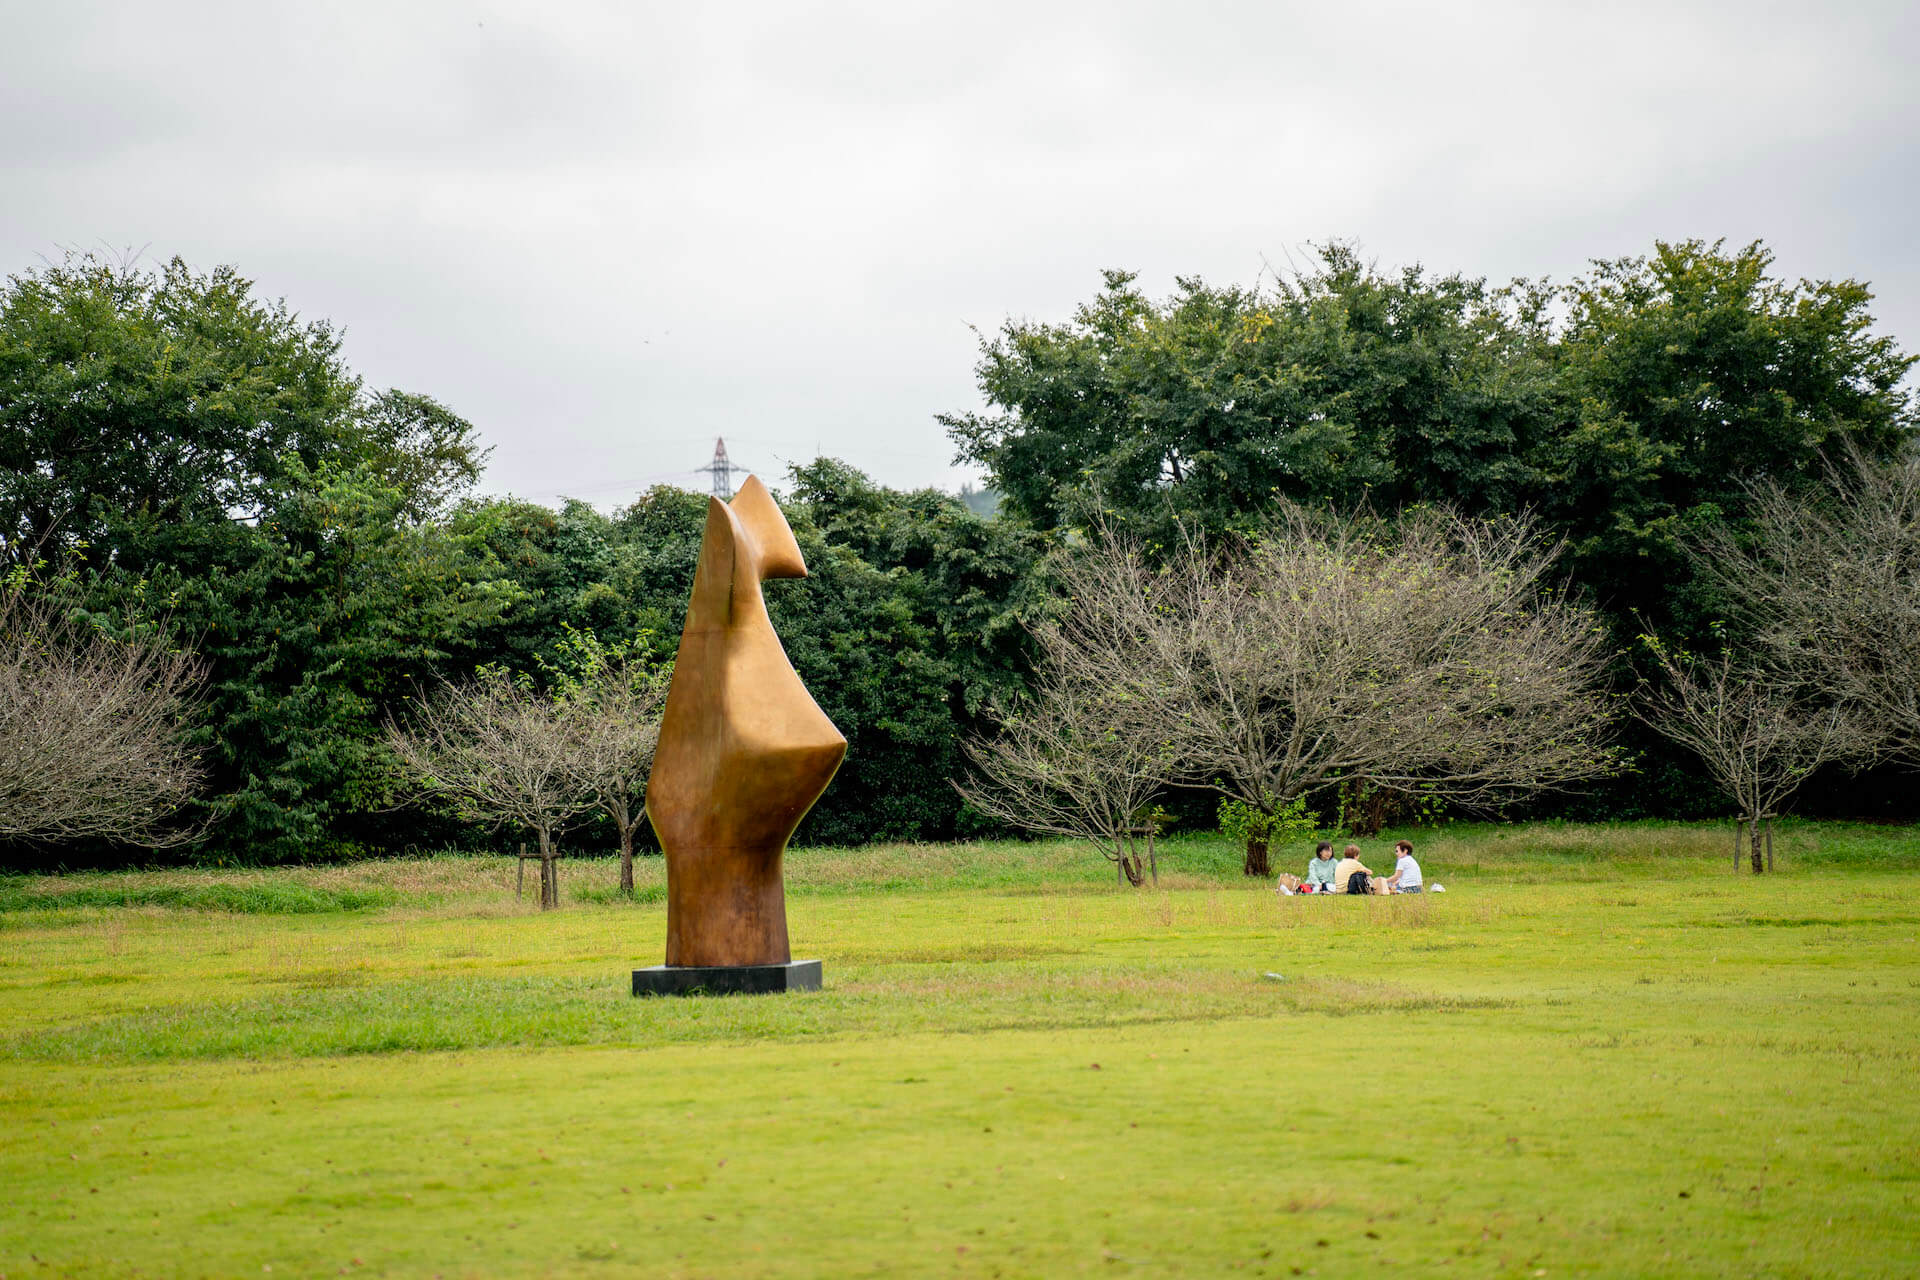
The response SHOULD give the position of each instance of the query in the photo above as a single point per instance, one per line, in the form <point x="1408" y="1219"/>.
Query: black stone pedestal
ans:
<point x="726" y="980"/>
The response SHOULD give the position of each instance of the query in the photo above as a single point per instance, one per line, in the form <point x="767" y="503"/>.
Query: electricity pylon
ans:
<point x="721" y="470"/>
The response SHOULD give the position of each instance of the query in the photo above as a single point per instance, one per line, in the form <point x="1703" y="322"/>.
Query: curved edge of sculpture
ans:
<point x="744" y="751"/>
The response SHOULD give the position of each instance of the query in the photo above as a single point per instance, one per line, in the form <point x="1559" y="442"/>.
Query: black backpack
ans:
<point x="1357" y="883"/>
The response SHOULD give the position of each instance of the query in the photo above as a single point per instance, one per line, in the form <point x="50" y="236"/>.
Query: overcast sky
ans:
<point x="609" y="233"/>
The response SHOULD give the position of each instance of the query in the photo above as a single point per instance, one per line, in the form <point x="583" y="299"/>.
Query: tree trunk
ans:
<point x="626" y="857"/>
<point x="1759" y="865"/>
<point x="549" y="882"/>
<point x="1256" y="864"/>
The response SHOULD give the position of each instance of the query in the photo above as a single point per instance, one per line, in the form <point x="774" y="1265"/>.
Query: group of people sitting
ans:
<point x="1348" y="874"/>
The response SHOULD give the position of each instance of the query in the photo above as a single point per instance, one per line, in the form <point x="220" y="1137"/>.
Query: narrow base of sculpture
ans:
<point x="726" y="979"/>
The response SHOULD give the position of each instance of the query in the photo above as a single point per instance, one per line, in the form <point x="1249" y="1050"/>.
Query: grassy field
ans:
<point x="1599" y="1053"/>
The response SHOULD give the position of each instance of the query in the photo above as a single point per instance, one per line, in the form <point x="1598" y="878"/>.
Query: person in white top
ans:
<point x="1406" y="872"/>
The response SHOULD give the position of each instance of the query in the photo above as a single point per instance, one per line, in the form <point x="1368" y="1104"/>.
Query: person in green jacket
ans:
<point x="1320" y="867"/>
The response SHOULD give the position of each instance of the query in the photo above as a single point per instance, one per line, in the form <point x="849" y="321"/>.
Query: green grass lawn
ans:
<point x="1599" y="1053"/>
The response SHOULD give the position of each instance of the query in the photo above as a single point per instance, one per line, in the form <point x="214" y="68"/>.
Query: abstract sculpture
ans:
<point x="743" y="754"/>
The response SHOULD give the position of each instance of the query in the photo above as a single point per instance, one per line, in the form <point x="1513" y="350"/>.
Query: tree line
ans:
<point x="1651" y="418"/>
<point x="191" y="477"/>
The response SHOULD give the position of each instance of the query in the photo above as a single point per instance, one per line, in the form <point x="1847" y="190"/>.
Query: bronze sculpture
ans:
<point x="743" y="754"/>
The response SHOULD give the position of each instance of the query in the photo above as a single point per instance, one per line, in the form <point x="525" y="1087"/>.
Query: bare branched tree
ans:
<point x="1486" y="684"/>
<point x="1830" y="589"/>
<point x="1082" y="754"/>
<point x="499" y="753"/>
<point x="616" y="713"/>
<point x="1428" y="655"/>
<point x="92" y="728"/>
<point x="1759" y="734"/>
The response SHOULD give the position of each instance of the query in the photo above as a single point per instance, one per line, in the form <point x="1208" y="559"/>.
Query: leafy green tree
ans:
<point x="1666" y="382"/>
<point x="852" y="633"/>
<point x="422" y="448"/>
<point x="132" y="400"/>
<point x="1340" y="383"/>
<point x="1060" y="407"/>
<point x="625" y="577"/>
<point x="1441" y="384"/>
<point x="169" y="396"/>
<point x="1628" y="411"/>
<point x="977" y="581"/>
<point x="909" y="625"/>
<point x="1688" y="374"/>
<point x="207" y="455"/>
<point x="909" y="628"/>
<point x="658" y="539"/>
<point x="557" y="560"/>
<point x="313" y="623"/>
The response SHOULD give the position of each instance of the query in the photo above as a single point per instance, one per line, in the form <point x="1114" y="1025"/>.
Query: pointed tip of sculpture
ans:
<point x="777" y="552"/>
